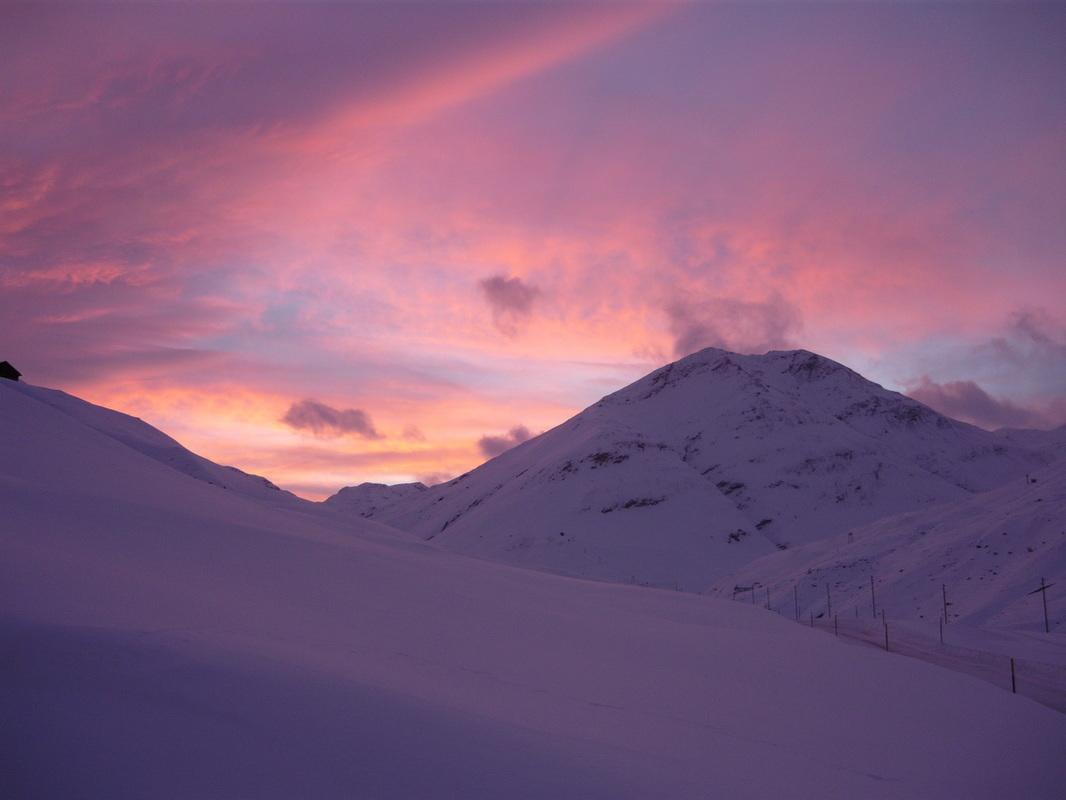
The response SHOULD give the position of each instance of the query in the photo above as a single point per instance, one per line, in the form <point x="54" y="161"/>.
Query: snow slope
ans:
<point x="155" y="444"/>
<point x="707" y="464"/>
<point x="164" y="637"/>
<point x="1049" y="443"/>
<point x="990" y="551"/>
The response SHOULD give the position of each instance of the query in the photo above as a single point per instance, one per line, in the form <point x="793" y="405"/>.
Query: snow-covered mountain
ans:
<point x="707" y="464"/>
<point x="369" y="499"/>
<point x="167" y="637"/>
<point x="989" y="551"/>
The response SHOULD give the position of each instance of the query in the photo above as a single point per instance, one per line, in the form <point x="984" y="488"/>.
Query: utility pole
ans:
<point x="1044" y="586"/>
<point x="873" y="597"/>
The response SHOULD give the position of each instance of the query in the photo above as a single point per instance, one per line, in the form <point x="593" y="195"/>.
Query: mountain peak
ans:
<point x="704" y="464"/>
<point x="749" y="375"/>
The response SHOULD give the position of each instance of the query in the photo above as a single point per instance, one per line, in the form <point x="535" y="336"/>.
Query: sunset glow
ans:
<point x="339" y="243"/>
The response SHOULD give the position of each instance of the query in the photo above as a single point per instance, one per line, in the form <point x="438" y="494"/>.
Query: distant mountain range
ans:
<point x="369" y="499"/>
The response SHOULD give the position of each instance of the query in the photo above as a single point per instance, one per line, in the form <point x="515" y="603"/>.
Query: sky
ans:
<point x="358" y="242"/>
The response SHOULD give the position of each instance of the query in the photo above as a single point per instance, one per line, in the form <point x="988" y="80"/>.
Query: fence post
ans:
<point x="1013" y="683"/>
<point x="942" y="630"/>
<point x="828" y="602"/>
<point x="873" y="597"/>
<point x="886" y="633"/>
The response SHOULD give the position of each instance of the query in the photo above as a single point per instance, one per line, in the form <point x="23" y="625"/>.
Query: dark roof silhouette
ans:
<point x="8" y="371"/>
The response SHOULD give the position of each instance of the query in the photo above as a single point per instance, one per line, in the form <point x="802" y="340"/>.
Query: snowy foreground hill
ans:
<point x="165" y="637"/>
<point x="155" y="444"/>
<point x="988" y="551"/>
<point x="706" y="465"/>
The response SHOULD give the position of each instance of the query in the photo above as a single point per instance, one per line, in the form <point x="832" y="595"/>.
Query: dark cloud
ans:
<point x="414" y="433"/>
<point x="492" y="446"/>
<point x="329" y="422"/>
<point x="744" y="326"/>
<point x="1034" y="339"/>
<point x="1038" y="327"/>
<point x="511" y="301"/>
<point x="1028" y="361"/>
<point x="967" y="401"/>
<point x="435" y="478"/>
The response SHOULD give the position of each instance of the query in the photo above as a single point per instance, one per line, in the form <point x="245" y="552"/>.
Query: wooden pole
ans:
<point x="1013" y="682"/>
<point x="828" y="602"/>
<point x="942" y="630"/>
<point x="873" y="597"/>
<point x="886" y="634"/>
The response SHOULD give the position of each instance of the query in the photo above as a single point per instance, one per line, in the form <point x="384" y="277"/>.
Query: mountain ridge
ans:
<point x="713" y="460"/>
